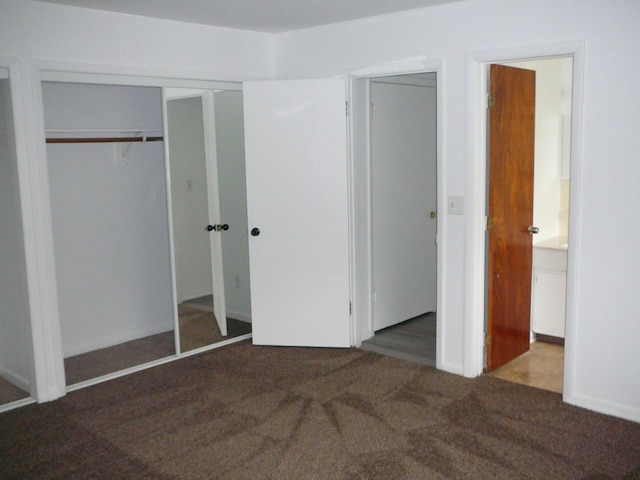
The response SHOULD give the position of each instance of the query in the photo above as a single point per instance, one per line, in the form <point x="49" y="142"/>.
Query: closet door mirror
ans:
<point x="205" y="145"/>
<point x="16" y="355"/>
<point x="108" y="190"/>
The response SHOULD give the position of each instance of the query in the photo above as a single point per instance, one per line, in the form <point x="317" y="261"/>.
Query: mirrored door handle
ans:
<point x="217" y="227"/>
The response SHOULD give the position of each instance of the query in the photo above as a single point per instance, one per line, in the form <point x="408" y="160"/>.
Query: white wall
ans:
<point x="553" y="107"/>
<point x="46" y="31"/>
<point x="109" y="210"/>
<point x="603" y="304"/>
<point x="15" y="349"/>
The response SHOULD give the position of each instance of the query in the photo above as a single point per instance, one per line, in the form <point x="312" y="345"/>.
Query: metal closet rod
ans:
<point x="104" y="139"/>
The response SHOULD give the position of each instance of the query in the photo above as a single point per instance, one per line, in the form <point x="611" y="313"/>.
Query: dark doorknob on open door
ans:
<point x="255" y="232"/>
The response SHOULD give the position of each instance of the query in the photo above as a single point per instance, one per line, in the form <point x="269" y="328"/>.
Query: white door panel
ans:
<point x="403" y="196"/>
<point x="296" y="156"/>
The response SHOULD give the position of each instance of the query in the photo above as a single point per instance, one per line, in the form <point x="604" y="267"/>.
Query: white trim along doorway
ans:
<point x="477" y="66"/>
<point x="361" y="195"/>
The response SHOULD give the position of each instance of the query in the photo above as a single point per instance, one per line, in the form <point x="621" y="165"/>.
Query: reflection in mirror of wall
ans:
<point x="16" y="356"/>
<point x="206" y="163"/>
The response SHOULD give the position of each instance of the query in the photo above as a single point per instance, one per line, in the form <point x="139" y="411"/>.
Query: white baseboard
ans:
<point x="18" y="380"/>
<point x="450" y="368"/>
<point x="608" y="408"/>
<point x="243" y="316"/>
<point x="366" y="334"/>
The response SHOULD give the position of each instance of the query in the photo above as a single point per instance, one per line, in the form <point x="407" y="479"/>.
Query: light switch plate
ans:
<point x="455" y="205"/>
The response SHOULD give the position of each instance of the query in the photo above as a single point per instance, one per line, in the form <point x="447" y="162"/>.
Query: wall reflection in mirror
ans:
<point x="16" y="356"/>
<point x="205" y="136"/>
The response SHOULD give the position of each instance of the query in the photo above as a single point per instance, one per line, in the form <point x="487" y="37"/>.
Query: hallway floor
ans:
<point x="542" y="367"/>
<point x="413" y="340"/>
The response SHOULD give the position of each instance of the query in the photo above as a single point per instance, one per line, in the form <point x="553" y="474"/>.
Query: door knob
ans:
<point x="533" y="230"/>
<point x="433" y="214"/>
<point x="255" y="232"/>
<point x="217" y="227"/>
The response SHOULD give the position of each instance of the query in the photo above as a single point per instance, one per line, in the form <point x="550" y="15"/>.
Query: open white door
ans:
<point x="297" y="199"/>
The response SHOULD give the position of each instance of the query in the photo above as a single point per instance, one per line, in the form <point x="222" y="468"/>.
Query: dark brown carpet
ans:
<point x="247" y="412"/>
<point x="10" y="393"/>
<point x="198" y="328"/>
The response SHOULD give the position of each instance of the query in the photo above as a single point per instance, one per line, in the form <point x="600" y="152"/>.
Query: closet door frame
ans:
<point x="50" y="382"/>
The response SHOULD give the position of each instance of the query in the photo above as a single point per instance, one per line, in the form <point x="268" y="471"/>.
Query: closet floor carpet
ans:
<point x="10" y="393"/>
<point x="198" y="328"/>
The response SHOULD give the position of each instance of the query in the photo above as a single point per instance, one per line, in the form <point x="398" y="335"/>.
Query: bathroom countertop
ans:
<point x="556" y="243"/>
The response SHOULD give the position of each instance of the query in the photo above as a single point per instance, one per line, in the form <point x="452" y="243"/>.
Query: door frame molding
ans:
<point x="26" y="78"/>
<point x="476" y="188"/>
<point x="360" y="196"/>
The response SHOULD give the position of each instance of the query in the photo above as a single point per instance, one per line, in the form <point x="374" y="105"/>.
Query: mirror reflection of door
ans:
<point x="208" y="225"/>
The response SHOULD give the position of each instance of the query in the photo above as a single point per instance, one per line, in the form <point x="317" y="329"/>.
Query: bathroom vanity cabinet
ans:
<point x="549" y="286"/>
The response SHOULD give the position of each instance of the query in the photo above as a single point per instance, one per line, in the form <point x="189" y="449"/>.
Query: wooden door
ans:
<point x="511" y="158"/>
<point x="297" y="199"/>
<point x="403" y="171"/>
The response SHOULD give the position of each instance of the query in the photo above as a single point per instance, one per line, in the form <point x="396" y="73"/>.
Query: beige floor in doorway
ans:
<point x="542" y="367"/>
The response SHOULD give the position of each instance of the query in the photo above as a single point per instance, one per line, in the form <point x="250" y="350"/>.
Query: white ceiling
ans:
<point x="273" y="16"/>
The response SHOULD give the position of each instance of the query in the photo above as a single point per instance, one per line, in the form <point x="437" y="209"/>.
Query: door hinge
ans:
<point x="373" y="110"/>
<point x="491" y="101"/>
<point x="350" y="309"/>
<point x="487" y="339"/>
<point x="489" y="223"/>
<point x="346" y="104"/>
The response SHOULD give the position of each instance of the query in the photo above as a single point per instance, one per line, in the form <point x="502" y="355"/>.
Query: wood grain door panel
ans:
<point x="511" y="160"/>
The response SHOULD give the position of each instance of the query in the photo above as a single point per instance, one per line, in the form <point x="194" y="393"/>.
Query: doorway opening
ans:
<point x="403" y="212"/>
<point x="540" y="325"/>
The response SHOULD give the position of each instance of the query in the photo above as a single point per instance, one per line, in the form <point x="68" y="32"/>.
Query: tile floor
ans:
<point x="541" y="367"/>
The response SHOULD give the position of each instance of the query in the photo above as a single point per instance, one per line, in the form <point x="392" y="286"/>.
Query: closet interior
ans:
<point x="110" y="226"/>
<point x="136" y="178"/>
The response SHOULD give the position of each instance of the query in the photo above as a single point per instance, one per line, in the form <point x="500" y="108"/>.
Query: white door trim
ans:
<point x="474" y="287"/>
<point x="360" y="186"/>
